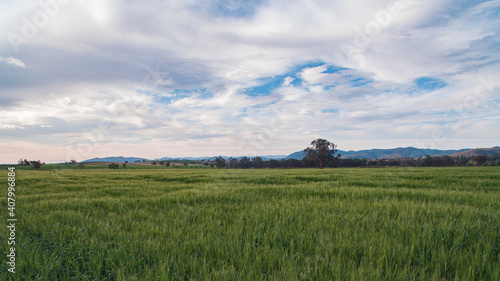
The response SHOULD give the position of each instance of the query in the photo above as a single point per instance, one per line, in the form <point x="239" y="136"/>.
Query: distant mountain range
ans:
<point x="118" y="159"/>
<point x="394" y="153"/>
<point x="121" y="159"/>
<point x="212" y="158"/>
<point x="404" y="152"/>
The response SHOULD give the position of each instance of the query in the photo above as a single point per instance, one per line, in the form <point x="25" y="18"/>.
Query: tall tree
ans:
<point x="321" y="152"/>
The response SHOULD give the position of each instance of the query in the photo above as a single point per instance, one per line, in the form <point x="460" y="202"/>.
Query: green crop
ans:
<point x="281" y="224"/>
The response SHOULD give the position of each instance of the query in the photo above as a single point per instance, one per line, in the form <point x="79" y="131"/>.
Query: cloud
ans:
<point x="14" y="62"/>
<point x="220" y="75"/>
<point x="288" y="80"/>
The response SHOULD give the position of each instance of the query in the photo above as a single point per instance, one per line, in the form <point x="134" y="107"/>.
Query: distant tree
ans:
<point x="154" y="163"/>
<point x="206" y="164"/>
<point x="81" y="166"/>
<point x="124" y="165"/>
<point x="36" y="164"/>
<point x="72" y="162"/>
<point x="26" y="162"/>
<point x="481" y="159"/>
<point x="211" y="165"/>
<point x="126" y="162"/>
<point x="257" y="162"/>
<point x="273" y="163"/>
<point x="428" y="161"/>
<point x="233" y="163"/>
<point x="220" y="162"/>
<point x="448" y="161"/>
<point x="168" y="164"/>
<point x="185" y="164"/>
<point x="113" y="166"/>
<point x="244" y="163"/>
<point x="321" y="152"/>
<point x="162" y="163"/>
<point x="461" y="160"/>
<point x="308" y="162"/>
<point x="291" y="163"/>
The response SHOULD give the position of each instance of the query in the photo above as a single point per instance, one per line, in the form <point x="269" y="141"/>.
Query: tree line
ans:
<point x="320" y="154"/>
<point x="427" y="161"/>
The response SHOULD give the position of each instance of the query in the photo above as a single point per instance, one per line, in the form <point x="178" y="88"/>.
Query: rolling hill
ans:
<point x="478" y="151"/>
<point x="118" y="159"/>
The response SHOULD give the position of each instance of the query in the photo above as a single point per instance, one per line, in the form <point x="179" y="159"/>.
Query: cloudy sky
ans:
<point x="82" y="79"/>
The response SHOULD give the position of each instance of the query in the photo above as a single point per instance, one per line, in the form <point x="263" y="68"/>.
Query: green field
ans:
<point x="281" y="224"/>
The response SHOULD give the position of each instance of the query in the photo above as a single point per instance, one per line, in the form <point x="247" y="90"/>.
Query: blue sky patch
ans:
<point x="202" y="93"/>
<point x="268" y="84"/>
<point x="333" y="69"/>
<point x="329" y="110"/>
<point x="358" y="82"/>
<point x="429" y="83"/>
<point x="236" y="8"/>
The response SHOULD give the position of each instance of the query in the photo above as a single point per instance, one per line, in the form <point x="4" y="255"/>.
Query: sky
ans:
<point x="83" y="79"/>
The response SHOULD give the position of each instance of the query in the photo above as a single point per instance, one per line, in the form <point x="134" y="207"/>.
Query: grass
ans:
<point x="296" y="224"/>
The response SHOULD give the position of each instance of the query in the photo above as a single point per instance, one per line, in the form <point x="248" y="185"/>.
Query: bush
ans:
<point x="36" y="164"/>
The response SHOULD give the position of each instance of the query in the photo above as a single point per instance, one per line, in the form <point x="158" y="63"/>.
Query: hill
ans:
<point x="119" y="159"/>
<point x="479" y="151"/>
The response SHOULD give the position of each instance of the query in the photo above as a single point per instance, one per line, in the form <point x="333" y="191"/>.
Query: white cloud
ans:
<point x="14" y="62"/>
<point x="288" y="80"/>
<point x="10" y="126"/>
<point x="184" y="71"/>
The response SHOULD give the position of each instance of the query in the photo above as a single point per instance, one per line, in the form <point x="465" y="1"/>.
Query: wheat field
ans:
<point x="279" y="224"/>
